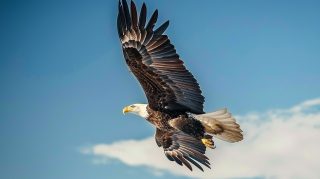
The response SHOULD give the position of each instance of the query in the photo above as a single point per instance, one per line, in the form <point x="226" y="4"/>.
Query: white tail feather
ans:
<point x="222" y="125"/>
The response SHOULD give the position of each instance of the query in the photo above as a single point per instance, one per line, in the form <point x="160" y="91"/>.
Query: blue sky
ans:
<point x="64" y="81"/>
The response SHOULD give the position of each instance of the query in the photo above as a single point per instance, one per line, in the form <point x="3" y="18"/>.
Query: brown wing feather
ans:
<point x="182" y="148"/>
<point x="151" y="57"/>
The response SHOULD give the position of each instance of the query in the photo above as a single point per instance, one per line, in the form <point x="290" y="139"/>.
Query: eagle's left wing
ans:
<point x="182" y="148"/>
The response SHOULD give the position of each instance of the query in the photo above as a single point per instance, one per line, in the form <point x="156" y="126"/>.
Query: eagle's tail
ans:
<point x="222" y="125"/>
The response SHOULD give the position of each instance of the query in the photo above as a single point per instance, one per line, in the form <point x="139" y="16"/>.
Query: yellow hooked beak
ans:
<point x="127" y="109"/>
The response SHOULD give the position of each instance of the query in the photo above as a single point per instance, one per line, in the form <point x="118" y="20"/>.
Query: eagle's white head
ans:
<point x="137" y="109"/>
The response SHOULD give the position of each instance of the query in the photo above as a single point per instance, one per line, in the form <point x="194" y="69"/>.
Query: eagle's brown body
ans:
<point x="159" y="119"/>
<point x="170" y="122"/>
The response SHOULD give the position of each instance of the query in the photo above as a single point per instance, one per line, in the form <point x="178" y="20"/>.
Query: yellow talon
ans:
<point x="208" y="142"/>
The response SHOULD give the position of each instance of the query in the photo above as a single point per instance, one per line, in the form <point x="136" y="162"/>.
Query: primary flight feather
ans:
<point x="175" y="102"/>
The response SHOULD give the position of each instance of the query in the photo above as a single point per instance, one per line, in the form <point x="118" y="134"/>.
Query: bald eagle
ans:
<point x="175" y="102"/>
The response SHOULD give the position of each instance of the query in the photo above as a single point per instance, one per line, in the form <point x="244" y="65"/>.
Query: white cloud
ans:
<point x="278" y="144"/>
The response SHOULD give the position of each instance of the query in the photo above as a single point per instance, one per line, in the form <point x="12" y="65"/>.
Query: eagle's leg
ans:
<point x="208" y="142"/>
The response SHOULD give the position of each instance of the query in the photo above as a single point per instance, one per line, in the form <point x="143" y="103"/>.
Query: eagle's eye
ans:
<point x="133" y="106"/>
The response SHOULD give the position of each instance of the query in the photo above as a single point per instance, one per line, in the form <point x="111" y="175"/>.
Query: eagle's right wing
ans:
<point x="182" y="148"/>
<point x="153" y="60"/>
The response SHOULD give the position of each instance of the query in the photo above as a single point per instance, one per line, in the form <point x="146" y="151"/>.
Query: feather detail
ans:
<point x="221" y="125"/>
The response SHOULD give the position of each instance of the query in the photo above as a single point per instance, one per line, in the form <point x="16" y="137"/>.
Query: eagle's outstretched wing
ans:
<point x="182" y="148"/>
<point x="151" y="57"/>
